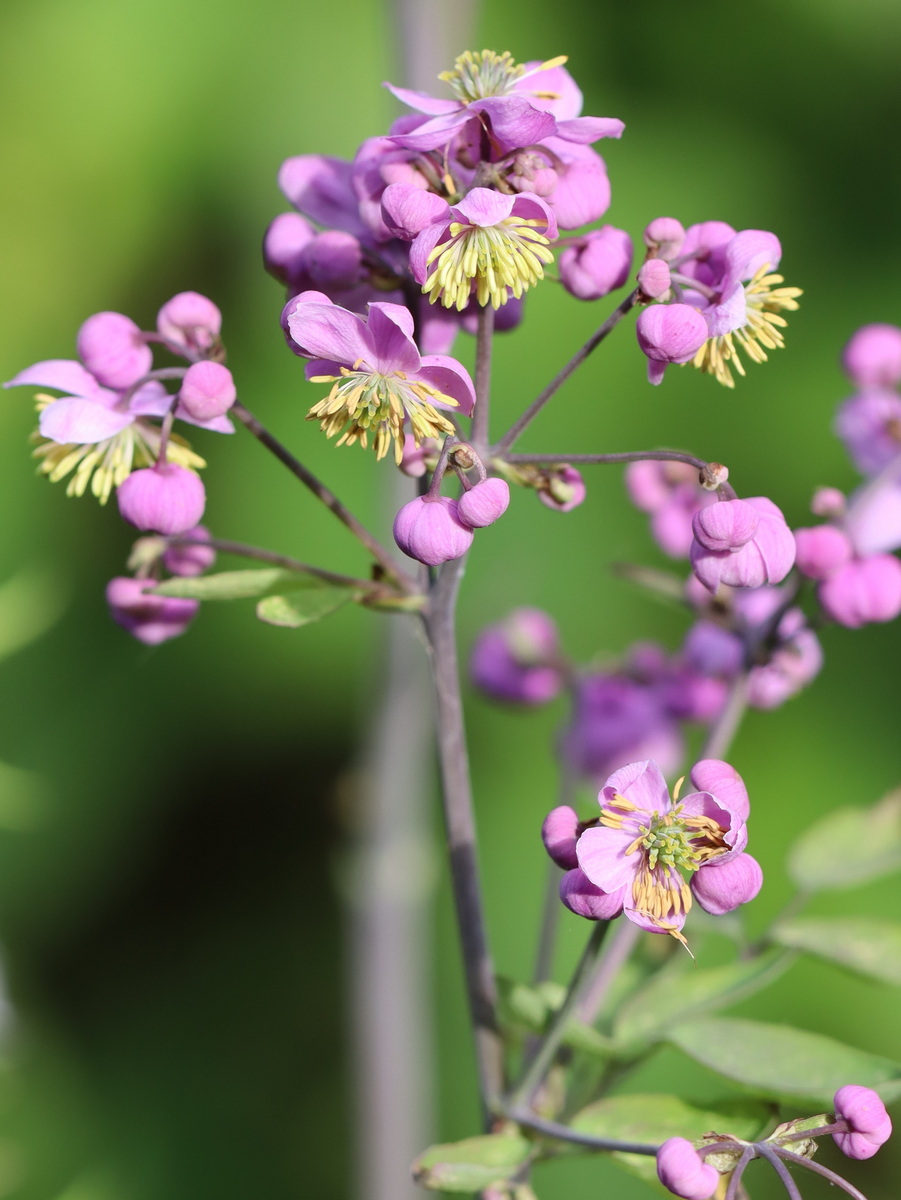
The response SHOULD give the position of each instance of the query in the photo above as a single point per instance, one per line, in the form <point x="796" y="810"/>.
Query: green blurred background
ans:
<point x="173" y="839"/>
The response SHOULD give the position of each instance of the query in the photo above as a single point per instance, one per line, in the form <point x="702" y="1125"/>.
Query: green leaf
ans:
<point x="672" y="996"/>
<point x="870" y="946"/>
<point x="532" y="1009"/>
<point x="849" y="846"/>
<point x="472" y="1164"/>
<point x="244" y="585"/>
<point x="782" y="1063"/>
<point x="654" y="1118"/>
<point x="301" y="608"/>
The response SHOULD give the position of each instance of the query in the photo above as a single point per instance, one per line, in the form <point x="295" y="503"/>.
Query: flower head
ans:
<point x="378" y="378"/>
<point x="645" y="841"/>
<point x="741" y="543"/>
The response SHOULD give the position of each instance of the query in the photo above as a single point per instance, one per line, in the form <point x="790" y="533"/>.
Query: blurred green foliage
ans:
<point x="170" y="919"/>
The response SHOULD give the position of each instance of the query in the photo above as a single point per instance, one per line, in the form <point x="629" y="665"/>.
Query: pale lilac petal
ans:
<point x="586" y="130"/>
<point x="873" y="521"/>
<point x="731" y="313"/>
<point x="321" y="188"/>
<point x="640" y="782"/>
<point x="61" y="374"/>
<point x="484" y="207"/>
<point x="327" y="331"/>
<point x="602" y="856"/>
<point x="451" y="378"/>
<point x="151" y="400"/>
<point x="582" y="194"/>
<point x="433" y="105"/>
<point x="434" y="134"/>
<point x="514" y="122"/>
<point x="407" y="209"/>
<point x="714" y="775"/>
<point x="747" y="252"/>
<point x="422" y="247"/>
<point x="583" y="898"/>
<point x="390" y="330"/>
<point x="553" y="90"/>
<point x="80" y="421"/>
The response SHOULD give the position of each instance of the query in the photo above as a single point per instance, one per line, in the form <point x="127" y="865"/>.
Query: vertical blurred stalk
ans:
<point x="390" y="1001"/>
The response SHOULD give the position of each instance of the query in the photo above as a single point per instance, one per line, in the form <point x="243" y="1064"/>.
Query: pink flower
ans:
<point x="379" y="379"/>
<point x="484" y="503"/>
<point x="872" y="357"/>
<point x="517" y="660"/>
<point x="431" y="531"/>
<point x="683" y="1172"/>
<point x="166" y="499"/>
<point x="741" y="543"/>
<point x="207" y="391"/>
<point x="868" y="1124"/>
<point x="597" y="263"/>
<point x="864" y="590"/>
<point x="645" y="840"/>
<point x="151" y="619"/>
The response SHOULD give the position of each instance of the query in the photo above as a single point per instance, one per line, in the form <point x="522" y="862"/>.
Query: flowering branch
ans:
<point x="561" y="377"/>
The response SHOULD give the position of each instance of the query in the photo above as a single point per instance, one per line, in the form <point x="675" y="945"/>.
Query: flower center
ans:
<point x="363" y="402"/>
<point x="509" y="255"/>
<point x="765" y="302"/>
<point x="480" y="73"/>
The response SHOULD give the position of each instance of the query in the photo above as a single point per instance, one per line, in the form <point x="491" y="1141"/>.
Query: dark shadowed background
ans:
<point x="174" y="822"/>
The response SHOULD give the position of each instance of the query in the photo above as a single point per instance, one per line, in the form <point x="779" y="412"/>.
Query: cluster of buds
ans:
<point x="858" y="1126"/>
<point x="132" y="604"/>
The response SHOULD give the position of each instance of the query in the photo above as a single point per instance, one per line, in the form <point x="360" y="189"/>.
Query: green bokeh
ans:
<point x="168" y="901"/>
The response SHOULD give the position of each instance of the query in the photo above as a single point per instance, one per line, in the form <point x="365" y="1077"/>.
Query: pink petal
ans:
<point x="640" y="782"/>
<point x="80" y="421"/>
<point x="514" y="121"/>
<point x="586" y="130"/>
<point x="714" y="775"/>
<point x="433" y="105"/>
<point x="321" y="188"/>
<point x="62" y="374"/>
<point x="450" y="377"/>
<point x="390" y="329"/>
<point x="483" y="207"/>
<point x="327" y="331"/>
<point x="602" y="856"/>
<point x="747" y="252"/>
<point x="432" y="135"/>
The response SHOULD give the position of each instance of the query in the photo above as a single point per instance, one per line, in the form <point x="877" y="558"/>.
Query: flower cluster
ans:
<point x="716" y="292"/>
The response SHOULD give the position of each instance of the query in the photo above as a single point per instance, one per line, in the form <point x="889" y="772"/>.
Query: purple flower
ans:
<point x="484" y="503"/>
<point x="190" y="325"/>
<point x="645" y="840"/>
<point x="379" y="379"/>
<point x="151" y="619"/>
<point x="868" y="1124"/>
<point x="166" y="499"/>
<point x="741" y="543"/>
<point x="98" y="431"/>
<point x="683" y="1172"/>
<point x="796" y="657"/>
<point x="864" y="590"/>
<point x="512" y="105"/>
<point x="669" y="333"/>
<point x="870" y="426"/>
<point x="872" y="357"/>
<point x="431" y="531"/>
<point x="723" y="886"/>
<point x="518" y="660"/>
<point x="490" y="242"/>
<point x="596" y="263"/>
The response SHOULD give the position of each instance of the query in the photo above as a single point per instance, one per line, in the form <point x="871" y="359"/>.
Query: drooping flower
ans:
<point x="645" y="841"/>
<point x="99" y="430"/>
<point x="151" y="619"/>
<point x="490" y="243"/>
<point x="741" y="543"/>
<point x="868" y="1124"/>
<point x="431" y="531"/>
<point x="378" y="378"/>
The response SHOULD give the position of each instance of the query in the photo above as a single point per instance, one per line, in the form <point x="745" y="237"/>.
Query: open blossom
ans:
<point x="490" y="243"/>
<point x="379" y="381"/>
<point x="101" y="428"/>
<point x="513" y="105"/>
<point x="645" y="841"/>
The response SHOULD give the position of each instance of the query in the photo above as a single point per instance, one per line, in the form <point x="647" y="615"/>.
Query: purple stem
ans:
<point x="561" y="377"/>
<point x="277" y="560"/>
<point x="329" y="499"/>
<point x="819" y="1169"/>
<point x="565" y="1134"/>
<point x="781" y="1169"/>
<point x="723" y="730"/>
<point x="623" y="456"/>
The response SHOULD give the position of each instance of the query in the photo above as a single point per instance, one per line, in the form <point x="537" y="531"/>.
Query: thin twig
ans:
<point x="523" y="1093"/>
<point x="277" y="560"/>
<point x="480" y="415"/>
<point x="459" y="820"/>
<point x="329" y="499"/>
<point x="623" y="456"/>
<point x="781" y="1170"/>
<point x="561" y="377"/>
<point x="819" y="1169"/>
<point x="564" y="1134"/>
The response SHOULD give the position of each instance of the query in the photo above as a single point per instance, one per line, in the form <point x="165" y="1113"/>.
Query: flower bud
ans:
<point x="669" y="333"/>
<point x="583" y="898"/>
<point x="113" y="349"/>
<point x="654" y="278"/>
<point x="828" y="502"/>
<point x="664" y="235"/>
<point x="484" y="503"/>
<point x="207" y="391"/>
<point x="683" y="1172"/>
<point x="719" y="887"/>
<point x="190" y="560"/>
<point x="515" y="660"/>
<point x="151" y="619"/>
<point x="407" y="210"/>
<point x="563" y="490"/>
<point x="870" y="426"/>
<point x="822" y="550"/>
<point x="872" y="357"/>
<point x="431" y="532"/>
<point x="332" y="261"/>
<point x="283" y="241"/>
<point x="529" y="172"/>
<point x="560" y="832"/>
<point x="869" y="1125"/>
<point x="748" y="559"/>
<point x="597" y="263"/>
<point x="166" y="498"/>
<point x="865" y="590"/>
<point x="190" y="321"/>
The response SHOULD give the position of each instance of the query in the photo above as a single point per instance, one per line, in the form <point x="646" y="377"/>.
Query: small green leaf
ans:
<point x="867" y="945"/>
<point x="301" y="608"/>
<point x="472" y="1164"/>
<point x="654" y="1118"/>
<point x="782" y="1063"/>
<point x="670" y="997"/>
<point x="243" y="585"/>
<point x="849" y="846"/>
